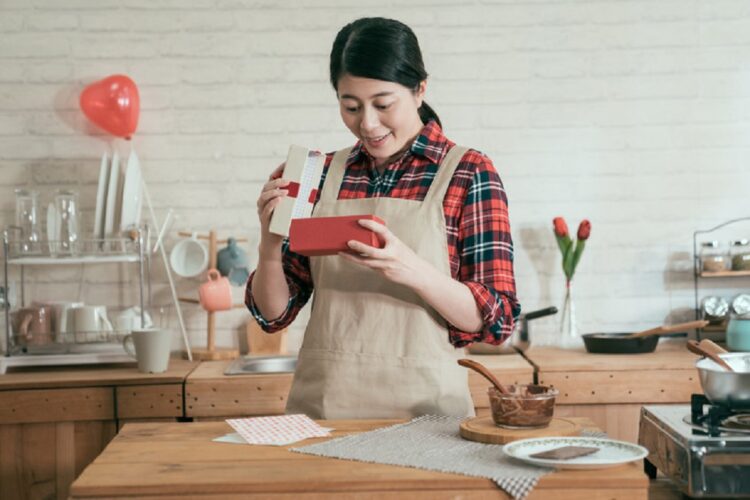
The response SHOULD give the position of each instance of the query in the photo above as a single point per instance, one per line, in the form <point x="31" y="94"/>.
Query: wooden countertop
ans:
<point x="667" y="375"/>
<point x="178" y="459"/>
<point x="50" y="377"/>
<point x="669" y="355"/>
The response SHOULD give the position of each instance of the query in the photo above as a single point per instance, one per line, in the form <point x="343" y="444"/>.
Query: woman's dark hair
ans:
<point x="382" y="49"/>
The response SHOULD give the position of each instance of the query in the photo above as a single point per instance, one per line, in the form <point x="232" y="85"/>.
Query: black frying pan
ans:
<point x="633" y="343"/>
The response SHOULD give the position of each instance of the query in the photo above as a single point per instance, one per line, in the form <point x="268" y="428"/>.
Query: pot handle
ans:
<point x="541" y="313"/>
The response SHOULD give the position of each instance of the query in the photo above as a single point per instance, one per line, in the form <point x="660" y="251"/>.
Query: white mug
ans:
<point x="90" y="319"/>
<point x="62" y="320"/>
<point x="150" y="347"/>
<point x="130" y="319"/>
<point x="189" y="257"/>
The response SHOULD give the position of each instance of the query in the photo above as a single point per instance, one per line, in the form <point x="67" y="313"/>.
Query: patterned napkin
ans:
<point x="278" y="430"/>
<point x="434" y="443"/>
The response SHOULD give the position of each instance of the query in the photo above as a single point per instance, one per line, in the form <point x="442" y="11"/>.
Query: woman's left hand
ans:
<point x="395" y="261"/>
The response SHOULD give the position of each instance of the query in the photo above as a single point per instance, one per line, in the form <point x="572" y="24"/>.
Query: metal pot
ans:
<point x="731" y="389"/>
<point x="519" y="339"/>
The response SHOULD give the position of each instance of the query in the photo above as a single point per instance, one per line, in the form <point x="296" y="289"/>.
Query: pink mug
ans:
<point x="216" y="293"/>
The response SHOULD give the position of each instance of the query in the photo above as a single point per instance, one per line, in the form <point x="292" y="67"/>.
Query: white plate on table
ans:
<point x="112" y="195"/>
<point x="131" y="194"/>
<point x="101" y="198"/>
<point x="611" y="453"/>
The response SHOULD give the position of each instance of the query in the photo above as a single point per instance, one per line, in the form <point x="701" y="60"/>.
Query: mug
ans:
<point x="150" y="347"/>
<point x="62" y="321"/>
<point x="216" y="293"/>
<point x="232" y="262"/>
<point x="189" y="257"/>
<point x="32" y="325"/>
<point x="130" y="319"/>
<point x="90" y="319"/>
<point x="738" y="334"/>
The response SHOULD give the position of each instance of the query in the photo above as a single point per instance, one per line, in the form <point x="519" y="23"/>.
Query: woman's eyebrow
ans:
<point x="379" y="94"/>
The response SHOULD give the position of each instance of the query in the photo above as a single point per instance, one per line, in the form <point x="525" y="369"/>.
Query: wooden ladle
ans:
<point x="663" y="330"/>
<point x="696" y="348"/>
<point x="483" y="371"/>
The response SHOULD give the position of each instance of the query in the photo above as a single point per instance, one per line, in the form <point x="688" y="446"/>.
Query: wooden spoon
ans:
<point x="694" y="347"/>
<point x="483" y="371"/>
<point x="710" y="345"/>
<point x="662" y="330"/>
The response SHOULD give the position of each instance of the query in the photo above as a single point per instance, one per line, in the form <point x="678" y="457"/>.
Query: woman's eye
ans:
<point x="351" y="110"/>
<point x="383" y="106"/>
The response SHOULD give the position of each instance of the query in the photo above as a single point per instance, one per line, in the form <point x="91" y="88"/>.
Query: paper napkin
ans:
<point x="277" y="430"/>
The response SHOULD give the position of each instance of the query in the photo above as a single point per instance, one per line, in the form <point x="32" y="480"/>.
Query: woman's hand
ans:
<point x="395" y="261"/>
<point x="272" y="193"/>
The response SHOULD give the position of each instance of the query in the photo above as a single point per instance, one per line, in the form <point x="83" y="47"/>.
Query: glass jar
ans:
<point x="715" y="309"/>
<point x="740" y="253"/>
<point x="713" y="258"/>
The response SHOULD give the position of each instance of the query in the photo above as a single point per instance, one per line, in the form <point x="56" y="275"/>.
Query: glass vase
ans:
<point x="570" y="337"/>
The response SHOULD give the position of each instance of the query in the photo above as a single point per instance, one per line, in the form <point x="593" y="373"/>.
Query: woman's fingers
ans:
<point x="385" y="234"/>
<point x="277" y="172"/>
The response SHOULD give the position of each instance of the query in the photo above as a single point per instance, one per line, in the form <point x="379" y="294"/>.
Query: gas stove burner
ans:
<point x="740" y="421"/>
<point x="715" y="420"/>
<point x="727" y="427"/>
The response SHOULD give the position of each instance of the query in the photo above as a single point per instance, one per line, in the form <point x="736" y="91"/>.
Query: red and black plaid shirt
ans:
<point x="476" y="217"/>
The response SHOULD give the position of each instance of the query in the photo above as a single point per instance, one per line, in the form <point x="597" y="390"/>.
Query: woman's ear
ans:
<point x="420" y="91"/>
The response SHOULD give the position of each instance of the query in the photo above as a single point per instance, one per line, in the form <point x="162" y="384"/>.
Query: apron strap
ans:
<point x="335" y="176"/>
<point x="442" y="179"/>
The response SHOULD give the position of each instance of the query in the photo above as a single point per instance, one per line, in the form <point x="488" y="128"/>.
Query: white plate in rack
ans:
<point x="101" y="198"/>
<point x="112" y="196"/>
<point x="611" y="453"/>
<point x="131" y="194"/>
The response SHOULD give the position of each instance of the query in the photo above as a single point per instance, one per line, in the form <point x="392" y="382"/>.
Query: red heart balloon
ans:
<point x="112" y="104"/>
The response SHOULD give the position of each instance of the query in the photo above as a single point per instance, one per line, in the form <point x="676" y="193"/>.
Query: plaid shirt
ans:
<point x="476" y="217"/>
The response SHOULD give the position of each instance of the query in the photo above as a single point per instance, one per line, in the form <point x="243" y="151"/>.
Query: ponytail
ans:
<point x="426" y="113"/>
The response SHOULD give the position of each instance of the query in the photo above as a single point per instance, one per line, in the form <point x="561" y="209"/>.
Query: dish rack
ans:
<point x="699" y="275"/>
<point x="83" y="347"/>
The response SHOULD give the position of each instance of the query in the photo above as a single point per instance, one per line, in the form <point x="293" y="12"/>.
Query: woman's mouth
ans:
<point x="377" y="141"/>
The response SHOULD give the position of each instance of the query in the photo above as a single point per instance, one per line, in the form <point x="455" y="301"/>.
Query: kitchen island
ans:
<point x="174" y="460"/>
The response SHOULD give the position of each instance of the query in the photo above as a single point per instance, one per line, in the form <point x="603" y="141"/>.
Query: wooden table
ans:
<point x="165" y="460"/>
<point x="55" y="420"/>
<point x="611" y="388"/>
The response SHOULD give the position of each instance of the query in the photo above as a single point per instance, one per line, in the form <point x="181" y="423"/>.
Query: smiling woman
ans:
<point x="386" y="322"/>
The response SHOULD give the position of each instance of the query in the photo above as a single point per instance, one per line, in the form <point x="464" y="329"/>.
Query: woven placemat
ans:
<point x="433" y="443"/>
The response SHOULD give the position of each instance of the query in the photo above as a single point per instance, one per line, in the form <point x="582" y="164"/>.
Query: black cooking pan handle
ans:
<point x="541" y="312"/>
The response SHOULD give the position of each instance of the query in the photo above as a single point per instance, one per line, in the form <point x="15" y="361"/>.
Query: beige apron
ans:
<point x="373" y="348"/>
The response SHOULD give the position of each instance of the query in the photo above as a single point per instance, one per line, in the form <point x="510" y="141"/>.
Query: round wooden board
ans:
<point x="484" y="430"/>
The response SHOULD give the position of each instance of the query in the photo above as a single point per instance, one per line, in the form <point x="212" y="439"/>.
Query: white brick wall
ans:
<point x="634" y="114"/>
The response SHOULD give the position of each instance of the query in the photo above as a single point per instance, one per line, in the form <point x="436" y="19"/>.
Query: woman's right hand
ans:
<point x="271" y="195"/>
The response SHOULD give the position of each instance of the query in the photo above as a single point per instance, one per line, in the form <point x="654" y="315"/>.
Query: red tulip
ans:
<point x="561" y="228"/>
<point x="113" y="104"/>
<point x="584" y="230"/>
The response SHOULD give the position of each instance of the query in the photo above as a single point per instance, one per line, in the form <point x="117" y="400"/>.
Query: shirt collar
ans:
<point x="430" y="144"/>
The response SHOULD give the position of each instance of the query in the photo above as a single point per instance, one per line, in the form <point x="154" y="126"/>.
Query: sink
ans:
<point x="262" y="364"/>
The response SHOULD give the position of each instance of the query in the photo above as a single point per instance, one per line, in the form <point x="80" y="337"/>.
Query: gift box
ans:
<point x="328" y="235"/>
<point x="303" y="169"/>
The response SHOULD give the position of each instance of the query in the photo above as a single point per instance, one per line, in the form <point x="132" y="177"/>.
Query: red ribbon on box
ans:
<point x="293" y="188"/>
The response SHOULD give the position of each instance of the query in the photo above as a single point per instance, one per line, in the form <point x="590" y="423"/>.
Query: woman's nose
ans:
<point x="370" y="120"/>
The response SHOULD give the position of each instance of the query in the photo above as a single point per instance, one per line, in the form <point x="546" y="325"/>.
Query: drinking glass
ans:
<point x="27" y="220"/>
<point x="66" y="203"/>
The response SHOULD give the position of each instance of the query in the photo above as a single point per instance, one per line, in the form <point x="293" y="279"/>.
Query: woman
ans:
<point x="386" y="323"/>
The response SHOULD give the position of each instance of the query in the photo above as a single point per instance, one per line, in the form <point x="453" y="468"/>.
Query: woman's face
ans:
<point x="383" y="115"/>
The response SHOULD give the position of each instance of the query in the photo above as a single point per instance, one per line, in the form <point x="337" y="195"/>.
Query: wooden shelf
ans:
<point x="724" y="274"/>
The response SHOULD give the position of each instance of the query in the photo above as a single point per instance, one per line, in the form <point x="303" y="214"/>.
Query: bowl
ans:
<point x="527" y="406"/>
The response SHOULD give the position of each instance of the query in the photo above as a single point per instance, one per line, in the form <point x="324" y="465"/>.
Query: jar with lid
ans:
<point x="713" y="258"/>
<point x="740" y="254"/>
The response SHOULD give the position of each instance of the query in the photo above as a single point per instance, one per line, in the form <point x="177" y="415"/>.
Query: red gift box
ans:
<point x="328" y="235"/>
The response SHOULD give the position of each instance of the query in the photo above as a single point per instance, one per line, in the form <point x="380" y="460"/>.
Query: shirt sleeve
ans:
<point x="485" y="250"/>
<point x="298" y="278"/>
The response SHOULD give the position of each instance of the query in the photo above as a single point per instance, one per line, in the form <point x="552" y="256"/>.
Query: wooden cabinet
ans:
<point x="611" y="388"/>
<point x="55" y="421"/>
